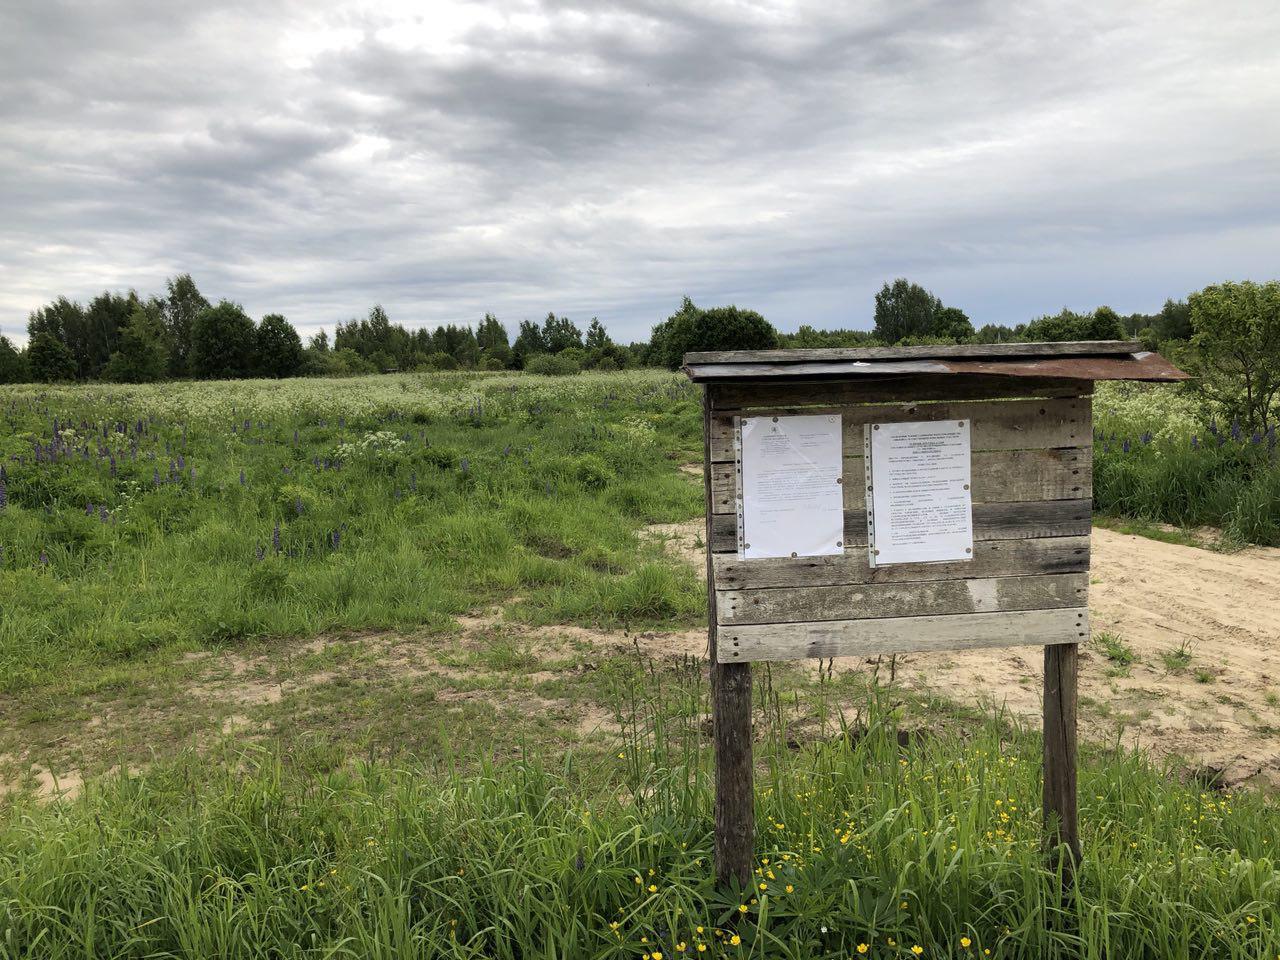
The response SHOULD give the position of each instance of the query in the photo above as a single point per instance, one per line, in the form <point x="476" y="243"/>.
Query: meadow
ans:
<point x="533" y="782"/>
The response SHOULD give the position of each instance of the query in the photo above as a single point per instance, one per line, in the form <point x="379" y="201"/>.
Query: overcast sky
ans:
<point x="606" y="158"/>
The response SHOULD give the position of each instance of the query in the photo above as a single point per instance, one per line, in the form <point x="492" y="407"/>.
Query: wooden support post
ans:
<point x="731" y="724"/>
<point x="1061" y="820"/>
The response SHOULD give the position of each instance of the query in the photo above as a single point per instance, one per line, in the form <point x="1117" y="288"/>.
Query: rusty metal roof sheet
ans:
<point x="1104" y="360"/>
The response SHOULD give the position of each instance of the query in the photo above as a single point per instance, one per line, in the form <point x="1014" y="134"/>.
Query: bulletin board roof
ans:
<point x="1074" y="360"/>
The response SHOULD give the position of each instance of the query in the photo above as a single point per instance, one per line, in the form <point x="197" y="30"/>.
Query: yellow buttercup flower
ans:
<point x="917" y="949"/>
<point x="965" y="942"/>
<point x="863" y="948"/>
<point x="735" y="940"/>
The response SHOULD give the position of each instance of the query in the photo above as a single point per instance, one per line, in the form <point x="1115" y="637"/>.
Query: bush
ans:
<point x="553" y="365"/>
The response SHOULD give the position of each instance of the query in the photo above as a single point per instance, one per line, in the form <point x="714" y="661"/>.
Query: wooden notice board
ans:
<point x="1024" y="413"/>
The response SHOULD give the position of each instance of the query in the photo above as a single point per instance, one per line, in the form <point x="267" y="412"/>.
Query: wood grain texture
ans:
<point x="731" y="726"/>
<point x="891" y="389"/>
<point x="865" y="638"/>
<point x="995" y="425"/>
<point x="991" y="558"/>
<point x="791" y="605"/>
<point x="1059" y="801"/>
<point x="1007" y="476"/>
<point x="991" y="521"/>
<point x="970" y="351"/>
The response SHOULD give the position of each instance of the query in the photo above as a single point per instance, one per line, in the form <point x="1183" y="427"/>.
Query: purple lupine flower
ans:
<point x="113" y="464"/>
<point x="1213" y="427"/>
<point x="1235" y="429"/>
<point x="242" y="480"/>
<point x="103" y="515"/>
<point x="275" y="537"/>
<point x="396" y="493"/>
<point x="466" y="465"/>
<point x="259" y="552"/>
<point x="155" y="478"/>
<point x="295" y="438"/>
<point x="193" y="474"/>
<point x="1195" y="442"/>
<point x="1126" y="446"/>
<point x="297" y="505"/>
<point x="506" y="451"/>
<point x="1271" y="439"/>
<point x="4" y="494"/>
<point x="413" y="482"/>
<point x="182" y="463"/>
<point x="90" y="509"/>
<point x="335" y="539"/>
<point x="44" y="559"/>
<point x="1146" y="437"/>
<point x="233" y="428"/>
<point x="1256" y="438"/>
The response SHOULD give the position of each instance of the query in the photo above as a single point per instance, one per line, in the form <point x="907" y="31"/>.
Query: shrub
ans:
<point x="553" y="365"/>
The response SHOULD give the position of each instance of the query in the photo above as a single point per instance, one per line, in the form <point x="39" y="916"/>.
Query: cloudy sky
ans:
<point x="607" y="157"/>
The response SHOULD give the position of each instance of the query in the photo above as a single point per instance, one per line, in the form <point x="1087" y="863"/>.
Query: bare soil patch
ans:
<point x="1202" y="629"/>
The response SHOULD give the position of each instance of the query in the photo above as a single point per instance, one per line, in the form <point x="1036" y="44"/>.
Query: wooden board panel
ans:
<point x="991" y="558"/>
<point x="996" y="424"/>
<point x="1074" y="348"/>
<point x="863" y="638"/>
<point x="1010" y="476"/>
<point x="889" y="389"/>
<point x="922" y="598"/>
<point x="991" y="521"/>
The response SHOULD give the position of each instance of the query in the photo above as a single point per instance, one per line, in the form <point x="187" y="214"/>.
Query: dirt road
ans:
<point x="1200" y="632"/>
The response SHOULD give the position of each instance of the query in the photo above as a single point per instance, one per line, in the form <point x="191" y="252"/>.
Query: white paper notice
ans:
<point x="792" y="498"/>
<point x="922" y="511"/>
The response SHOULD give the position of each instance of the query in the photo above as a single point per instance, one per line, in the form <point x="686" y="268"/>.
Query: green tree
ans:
<point x="1103" y="324"/>
<point x="13" y="365"/>
<point x="904" y="309"/>
<point x="279" y="348"/>
<point x="491" y="336"/>
<point x="597" y="336"/>
<point x="319" y="341"/>
<point x="222" y="343"/>
<point x="1236" y="343"/>
<point x="1173" y="322"/>
<point x="529" y="343"/>
<point x="559" y="333"/>
<point x="181" y="307"/>
<point x="731" y="328"/>
<point x="951" y="323"/>
<point x="669" y="341"/>
<point x="143" y="354"/>
<point x="49" y="359"/>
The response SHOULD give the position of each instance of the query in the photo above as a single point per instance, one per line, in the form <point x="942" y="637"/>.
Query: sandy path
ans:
<point x="1217" y="705"/>
<point x="1220" y="710"/>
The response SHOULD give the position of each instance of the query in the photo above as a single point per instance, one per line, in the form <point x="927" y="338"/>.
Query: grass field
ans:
<point x="382" y="667"/>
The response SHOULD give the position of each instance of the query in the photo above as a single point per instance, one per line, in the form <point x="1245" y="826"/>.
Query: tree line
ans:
<point x="1228" y="335"/>
<point x="125" y="338"/>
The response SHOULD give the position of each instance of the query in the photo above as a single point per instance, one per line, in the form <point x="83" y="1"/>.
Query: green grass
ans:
<point x="1157" y="459"/>
<point x="203" y="515"/>
<point x="861" y="840"/>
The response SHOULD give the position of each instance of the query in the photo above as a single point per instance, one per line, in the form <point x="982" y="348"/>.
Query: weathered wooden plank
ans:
<point x="731" y="727"/>
<point x="890" y="389"/>
<point x="995" y="425"/>
<point x="922" y="598"/>
<point x="864" y="638"/>
<point x="1059" y="793"/>
<point x="991" y="521"/>
<point x="991" y="558"/>
<point x="998" y="476"/>
<point x="969" y="351"/>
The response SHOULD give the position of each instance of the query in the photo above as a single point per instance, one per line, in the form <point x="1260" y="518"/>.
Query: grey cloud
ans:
<point x="607" y="158"/>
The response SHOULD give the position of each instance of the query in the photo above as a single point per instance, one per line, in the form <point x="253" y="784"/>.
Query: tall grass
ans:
<point x="930" y="849"/>
<point x="1157" y="457"/>
<point x="136" y="520"/>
